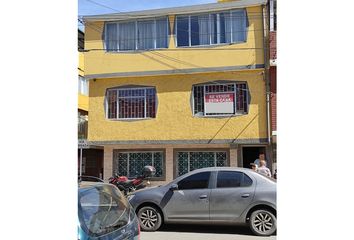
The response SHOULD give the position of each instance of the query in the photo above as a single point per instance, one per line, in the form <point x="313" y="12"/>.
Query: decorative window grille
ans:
<point x="131" y="164"/>
<point x="238" y="91"/>
<point x="136" y="35"/>
<point x="212" y="28"/>
<point x="131" y="103"/>
<point x="189" y="161"/>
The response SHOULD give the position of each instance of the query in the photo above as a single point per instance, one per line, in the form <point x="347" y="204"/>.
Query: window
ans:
<point x="230" y="179"/>
<point x="213" y="28"/>
<point x="99" y="209"/>
<point x="136" y="35"/>
<point x="189" y="161"/>
<point x="220" y="99"/>
<point x="195" y="181"/>
<point x="83" y="86"/>
<point x="131" y="164"/>
<point x="131" y="103"/>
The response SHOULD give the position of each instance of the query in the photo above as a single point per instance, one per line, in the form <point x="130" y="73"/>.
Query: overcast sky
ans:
<point x="92" y="7"/>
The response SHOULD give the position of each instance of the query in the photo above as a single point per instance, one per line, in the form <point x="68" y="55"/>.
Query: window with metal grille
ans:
<point x="131" y="103"/>
<point x="211" y="28"/>
<point x="220" y="99"/>
<point x="136" y="35"/>
<point x="191" y="160"/>
<point x="131" y="164"/>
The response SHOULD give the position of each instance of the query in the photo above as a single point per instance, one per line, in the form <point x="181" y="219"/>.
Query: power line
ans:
<point x="102" y="5"/>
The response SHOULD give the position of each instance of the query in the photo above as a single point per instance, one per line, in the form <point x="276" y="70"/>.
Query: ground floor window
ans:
<point x="131" y="163"/>
<point x="190" y="160"/>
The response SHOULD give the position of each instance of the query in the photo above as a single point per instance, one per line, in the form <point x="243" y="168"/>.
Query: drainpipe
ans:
<point x="266" y="67"/>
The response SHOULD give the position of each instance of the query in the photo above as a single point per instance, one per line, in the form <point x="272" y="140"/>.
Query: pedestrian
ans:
<point x="254" y="167"/>
<point x="275" y="174"/>
<point x="261" y="157"/>
<point x="262" y="169"/>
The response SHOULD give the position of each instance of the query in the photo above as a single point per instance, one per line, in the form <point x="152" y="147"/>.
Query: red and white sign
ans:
<point x="219" y="103"/>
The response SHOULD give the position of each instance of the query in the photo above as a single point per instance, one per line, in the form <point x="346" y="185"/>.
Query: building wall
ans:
<point x="83" y="100"/>
<point x="170" y="160"/>
<point x="273" y="96"/>
<point x="97" y="61"/>
<point x="174" y="119"/>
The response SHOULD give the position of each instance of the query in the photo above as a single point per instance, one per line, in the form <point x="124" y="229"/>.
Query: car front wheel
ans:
<point x="263" y="223"/>
<point x="150" y="218"/>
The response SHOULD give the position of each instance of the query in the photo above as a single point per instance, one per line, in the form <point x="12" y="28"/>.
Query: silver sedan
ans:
<point x="219" y="195"/>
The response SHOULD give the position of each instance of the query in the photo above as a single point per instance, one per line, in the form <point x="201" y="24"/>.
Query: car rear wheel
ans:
<point x="150" y="218"/>
<point x="263" y="222"/>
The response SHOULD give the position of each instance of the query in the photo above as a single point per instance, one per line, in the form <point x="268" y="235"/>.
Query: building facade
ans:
<point x="178" y="88"/>
<point x="90" y="158"/>
<point x="273" y="74"/>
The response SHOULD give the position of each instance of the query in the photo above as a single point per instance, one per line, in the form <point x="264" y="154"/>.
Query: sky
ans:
<point x="92" y="7"/>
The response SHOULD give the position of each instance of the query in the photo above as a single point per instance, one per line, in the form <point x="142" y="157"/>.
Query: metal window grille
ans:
<point x="131" y="164"/>
<point x="240" y="91"/>
<point x="135" y="103"/>
<point x="189" y="161"/>
<point x="242" y="98"/>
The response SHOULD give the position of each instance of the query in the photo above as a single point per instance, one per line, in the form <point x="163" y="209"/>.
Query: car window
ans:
<point x="230" y="179"/>
<point x="102" y="210"/>
<point x="195" y="181"/>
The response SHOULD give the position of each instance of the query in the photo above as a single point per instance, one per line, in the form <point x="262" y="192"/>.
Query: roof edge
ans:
<point x="175" y="10"/>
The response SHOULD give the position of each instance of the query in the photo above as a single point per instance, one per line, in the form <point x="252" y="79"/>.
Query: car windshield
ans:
<point x="102" y="209"/>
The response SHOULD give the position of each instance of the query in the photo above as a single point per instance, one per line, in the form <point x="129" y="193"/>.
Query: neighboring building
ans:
<point x="178" y="88"/>
<point x="92" y="156"/>
<point x="273" y="73"/>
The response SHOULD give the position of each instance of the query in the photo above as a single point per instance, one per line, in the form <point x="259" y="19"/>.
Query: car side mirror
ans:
<point x="174" y="187"/>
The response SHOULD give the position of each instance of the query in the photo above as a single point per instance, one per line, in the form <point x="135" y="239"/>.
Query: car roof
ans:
<point x="222" y="169"/>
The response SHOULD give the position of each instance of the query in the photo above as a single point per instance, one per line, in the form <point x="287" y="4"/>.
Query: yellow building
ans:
<point x="90" y="157"/>
<point x="178" y="88"/>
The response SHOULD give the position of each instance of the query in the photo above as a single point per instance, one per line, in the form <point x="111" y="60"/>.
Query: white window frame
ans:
<point x="136" y="34"/>
<point x="230" y="12"/>
<point x="134" y="88"/>
<point x="83" y="87"/>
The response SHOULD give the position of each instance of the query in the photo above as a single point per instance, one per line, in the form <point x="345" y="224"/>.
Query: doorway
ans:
<point x="249" y="154"/>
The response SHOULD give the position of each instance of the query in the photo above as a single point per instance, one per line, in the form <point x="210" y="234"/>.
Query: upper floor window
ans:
<point x="131" y="103"/>
<point x="212" y="28"/>
<point x="83" y="86"/>
<point x="220" y="99"/>
<point x="136" y="35"/>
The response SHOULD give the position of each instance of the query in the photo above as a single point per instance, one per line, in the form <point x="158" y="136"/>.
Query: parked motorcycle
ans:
<point x="130" y="185"/>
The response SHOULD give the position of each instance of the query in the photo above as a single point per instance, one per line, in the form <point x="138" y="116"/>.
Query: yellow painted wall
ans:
<point x="100" y="62"/>
<point x="83" y="100"/>
<point x="174" y="119"/>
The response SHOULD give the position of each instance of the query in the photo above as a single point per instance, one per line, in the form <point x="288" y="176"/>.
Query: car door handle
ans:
<point x="203" y="196"/>
<point x="246" y="195"/>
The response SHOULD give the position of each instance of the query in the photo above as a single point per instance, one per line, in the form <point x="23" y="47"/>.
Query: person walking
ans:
<point x="262" y="169"/>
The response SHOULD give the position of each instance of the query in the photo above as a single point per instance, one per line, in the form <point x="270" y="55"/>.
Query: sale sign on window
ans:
<point x="219" y="103"/>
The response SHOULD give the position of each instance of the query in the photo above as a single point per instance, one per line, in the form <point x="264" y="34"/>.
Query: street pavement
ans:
<point x="203" y="232"/>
